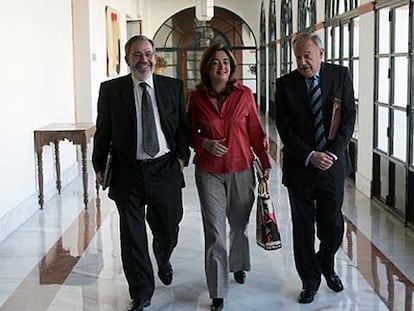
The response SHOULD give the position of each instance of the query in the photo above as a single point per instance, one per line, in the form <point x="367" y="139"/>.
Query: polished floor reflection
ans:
<point x="67" y="258"/>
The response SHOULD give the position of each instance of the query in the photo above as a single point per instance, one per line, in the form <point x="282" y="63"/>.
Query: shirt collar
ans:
<point x="317" y="75"/>
<point x="149" y="81"/>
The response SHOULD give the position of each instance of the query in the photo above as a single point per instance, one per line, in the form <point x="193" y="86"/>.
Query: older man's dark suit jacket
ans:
<point x="117" y="122"/>
<point x="294" y="121"/>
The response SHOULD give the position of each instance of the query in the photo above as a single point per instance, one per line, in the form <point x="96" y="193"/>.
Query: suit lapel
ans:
<point x="301" y="89"/>
<point x="160" y="92"/>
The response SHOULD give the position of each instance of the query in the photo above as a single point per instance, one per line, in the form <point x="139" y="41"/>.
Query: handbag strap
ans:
<point x="263" y="187"/>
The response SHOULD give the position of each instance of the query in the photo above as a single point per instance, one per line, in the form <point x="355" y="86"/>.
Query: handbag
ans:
<point x="267" y="227"/>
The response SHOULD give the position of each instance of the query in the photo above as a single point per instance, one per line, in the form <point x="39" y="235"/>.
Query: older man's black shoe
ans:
<point x="334" y="282"/>
<point x="139" y="304"/>
<point x="307" y="295"/>
<point x="166" y="274"/>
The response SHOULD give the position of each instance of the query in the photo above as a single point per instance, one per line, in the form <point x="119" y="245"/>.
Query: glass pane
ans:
<point x="355" y="77"/>
<point x="248" y="39"/>
<point x="412" y="142"/>
<point x="345" y="63"/>
<point x="383" y="82"/>
<point x="171" y="71"/>
<point x="168" y="57"/>
<point x="328" y="48"/>
<point x="190" y="85"/>
<point x="345" y="50"/>
<point x="337" y="42"/>
<point x="249" y="56"/>
<point x="278" y="61"/>
<point x="262" y="72"/>
<point x="384" y="30"/>
<point x="272" y="20"/>
<point x="162" y="34"/>
<point x="248" y="72"/>
<point x="167" y="64"/>
<point x="263" y="26"/>
<point x="272" y="71"/>
<point x="400" y="135"/>
<point x="401" y="82"/>
<point x="356" y="128"/>
<point x="382" y="125"/>
<point x="401" y="29"/>
<point x="400" y="186"/>
<point x="356" y="37"/>
<point x="341" y="7"/>
<point x="384" y="177"/>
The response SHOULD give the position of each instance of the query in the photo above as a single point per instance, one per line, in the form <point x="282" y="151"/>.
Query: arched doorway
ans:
<point x="181" y="40"/>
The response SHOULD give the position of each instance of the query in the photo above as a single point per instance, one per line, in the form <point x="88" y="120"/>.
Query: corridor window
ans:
<point x="393" y="74"/>
<point x="306" y="14"/>
<point x="382" y="128"/>
<point x="286" y="31"/>
<point x="262" y="60"/>
<point x="400" y="134"/>
<point x="342" y="47"/>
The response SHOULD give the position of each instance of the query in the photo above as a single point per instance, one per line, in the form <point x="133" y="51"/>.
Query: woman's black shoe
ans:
<point x="217" y="304"/>
<point x="240" y="276"/>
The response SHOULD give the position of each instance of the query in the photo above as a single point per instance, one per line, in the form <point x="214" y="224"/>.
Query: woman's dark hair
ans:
<point x="205" y="64"/>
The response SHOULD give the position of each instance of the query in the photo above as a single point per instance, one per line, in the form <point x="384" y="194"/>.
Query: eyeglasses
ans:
<point x="141" y="55"/>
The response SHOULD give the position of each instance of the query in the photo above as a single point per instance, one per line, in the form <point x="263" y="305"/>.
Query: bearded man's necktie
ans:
<point x="149" y="130"/>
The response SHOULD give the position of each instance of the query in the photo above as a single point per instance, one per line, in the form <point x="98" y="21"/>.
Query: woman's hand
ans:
<point x="215" y="147"/>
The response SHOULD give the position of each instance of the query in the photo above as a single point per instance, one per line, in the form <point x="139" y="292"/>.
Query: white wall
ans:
<point x="366" y="103"/>
<point x="37" y="88"/>
<point x="98" y="40"/>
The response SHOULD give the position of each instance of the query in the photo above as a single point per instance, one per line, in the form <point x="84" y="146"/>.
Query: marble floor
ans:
<point x="67" y="258"/>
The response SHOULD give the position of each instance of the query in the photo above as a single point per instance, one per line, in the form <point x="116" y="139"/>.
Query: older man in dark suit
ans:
<point x="142" y="117"/>
<point x="315" y="158"/>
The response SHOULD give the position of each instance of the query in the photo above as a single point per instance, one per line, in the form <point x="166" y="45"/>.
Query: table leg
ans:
<point x="84" y="174"/>
<point x="97" y="187"/>
<point x="40" y="176"/>
<point x="57" y="164"/>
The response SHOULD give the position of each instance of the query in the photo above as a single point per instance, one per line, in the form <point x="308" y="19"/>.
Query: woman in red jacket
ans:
<point x="226" y="134"/>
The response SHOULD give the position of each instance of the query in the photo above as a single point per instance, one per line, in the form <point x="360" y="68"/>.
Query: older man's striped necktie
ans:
<point x="315" y="98"/>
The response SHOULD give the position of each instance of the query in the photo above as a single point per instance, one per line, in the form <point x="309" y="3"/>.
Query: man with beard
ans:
<point x="141" y="119"/>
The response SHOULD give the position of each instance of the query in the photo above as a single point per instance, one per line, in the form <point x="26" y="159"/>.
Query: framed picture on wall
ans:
<point x="133" y="27"/>
<point x="113" y="44"/>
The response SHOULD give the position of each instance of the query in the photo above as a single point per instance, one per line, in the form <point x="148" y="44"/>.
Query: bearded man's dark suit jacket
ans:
<point x="307" y="186"/>
<point x="156" y="183"/>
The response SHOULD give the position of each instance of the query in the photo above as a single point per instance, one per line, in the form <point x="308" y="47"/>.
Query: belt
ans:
<point x="154" y="160"/>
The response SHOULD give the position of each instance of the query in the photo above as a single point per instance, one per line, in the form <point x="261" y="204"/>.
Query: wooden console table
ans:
<point x="78" y="134"/>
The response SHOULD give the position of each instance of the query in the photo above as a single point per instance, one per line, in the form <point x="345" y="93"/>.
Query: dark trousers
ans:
<point x="318" y="203"/>
<point x="157" y="186"/>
